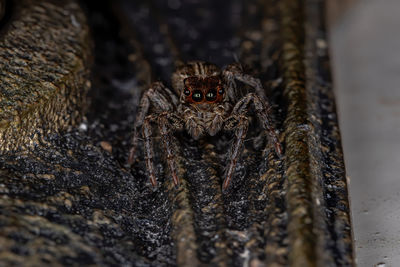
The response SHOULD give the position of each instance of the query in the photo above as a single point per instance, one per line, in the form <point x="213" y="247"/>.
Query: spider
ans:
<point x="203" y="103"/>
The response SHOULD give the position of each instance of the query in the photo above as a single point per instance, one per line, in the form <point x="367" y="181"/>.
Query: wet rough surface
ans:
<point x="73" y="201"/>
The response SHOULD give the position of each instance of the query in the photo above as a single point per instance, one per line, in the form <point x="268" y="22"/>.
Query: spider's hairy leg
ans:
<point x="143" y="109"/>
<point x="148" y="148"/>
<point x="262" y="112"/>
<point x="162" y="99"/>
<point x="235" y="72"/>
<point x="166" y="138"/>
<point x="236" y="149"/>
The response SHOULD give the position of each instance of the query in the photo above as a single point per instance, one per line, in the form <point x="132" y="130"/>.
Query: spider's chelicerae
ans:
<point x="204" y="102"/>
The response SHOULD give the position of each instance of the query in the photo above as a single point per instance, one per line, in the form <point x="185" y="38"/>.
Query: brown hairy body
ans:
<point x="204" y="102"/>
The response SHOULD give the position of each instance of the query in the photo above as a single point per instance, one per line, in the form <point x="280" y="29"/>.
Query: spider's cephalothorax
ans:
<point x="204" y="103"/>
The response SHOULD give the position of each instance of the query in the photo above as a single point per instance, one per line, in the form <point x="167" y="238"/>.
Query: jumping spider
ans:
<point x="203" y="102"/>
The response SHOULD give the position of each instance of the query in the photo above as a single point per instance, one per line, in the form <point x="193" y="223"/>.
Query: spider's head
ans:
<point x="203" y="90"/>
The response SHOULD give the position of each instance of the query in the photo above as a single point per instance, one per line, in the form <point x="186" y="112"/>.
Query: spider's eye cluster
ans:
<point x="199" y="90"/>
<point x="211" y="95"/>
<point x="197" y="96"/>
<point x="186" y="92"/>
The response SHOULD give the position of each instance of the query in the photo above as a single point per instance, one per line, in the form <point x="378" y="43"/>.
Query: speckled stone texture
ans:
<point x="44" y="61"/>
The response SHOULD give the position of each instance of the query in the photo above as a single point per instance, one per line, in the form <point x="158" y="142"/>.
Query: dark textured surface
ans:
<point x="2" y="10"/>
<point x="72" y="200"/>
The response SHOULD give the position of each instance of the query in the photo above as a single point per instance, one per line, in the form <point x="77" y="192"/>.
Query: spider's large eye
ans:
<point x="197" y="96"/>
<point x="211" y="95"/>
<point x="186" y="92"/>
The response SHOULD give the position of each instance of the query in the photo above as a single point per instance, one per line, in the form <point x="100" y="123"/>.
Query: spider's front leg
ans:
<point x="148" y="148"/>
<point x="234" y="72"/>
<point x="243" y="106"/>
<point x="161" y="98"/>
<point x="240" y="124"/>
<point x="166" y="127"/>
<point x="166" y="123"/>
<point x="163" y="101"/>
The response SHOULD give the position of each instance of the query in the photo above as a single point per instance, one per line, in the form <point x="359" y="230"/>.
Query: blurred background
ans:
<point x="365" y="41"/>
